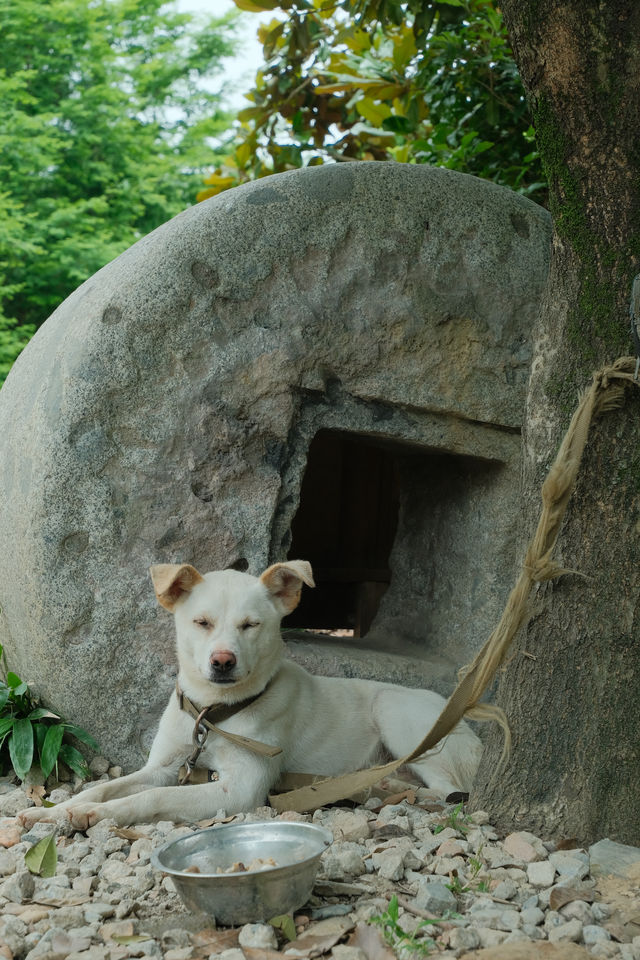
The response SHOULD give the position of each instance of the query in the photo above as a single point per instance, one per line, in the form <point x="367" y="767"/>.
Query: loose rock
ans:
<point x="105" y="888"/>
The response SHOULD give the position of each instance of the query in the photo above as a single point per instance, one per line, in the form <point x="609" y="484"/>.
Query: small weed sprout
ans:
<point x="476" y="863"/>
<point x="456" y="886"/>
<point x="459" y="820"/>
<point x="397" y="938"/>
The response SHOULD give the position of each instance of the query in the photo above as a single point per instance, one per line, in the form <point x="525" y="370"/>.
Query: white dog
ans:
<point x="267" y="715"/>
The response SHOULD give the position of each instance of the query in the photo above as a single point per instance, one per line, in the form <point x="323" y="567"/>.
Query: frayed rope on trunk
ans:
<point x="606" y="392"/>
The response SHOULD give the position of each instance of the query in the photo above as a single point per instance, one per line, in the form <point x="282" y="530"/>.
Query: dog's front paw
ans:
<point x="85" y="815"/>
<point x="27" y="818"/>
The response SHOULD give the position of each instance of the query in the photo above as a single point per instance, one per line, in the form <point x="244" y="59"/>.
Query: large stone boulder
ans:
<point x="164" y="413"/>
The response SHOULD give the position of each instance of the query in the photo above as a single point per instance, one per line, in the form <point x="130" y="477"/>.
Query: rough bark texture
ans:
<point x="574" y="708"/>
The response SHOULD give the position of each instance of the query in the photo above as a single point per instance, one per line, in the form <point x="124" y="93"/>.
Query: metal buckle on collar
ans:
<point x="199" y="739"/>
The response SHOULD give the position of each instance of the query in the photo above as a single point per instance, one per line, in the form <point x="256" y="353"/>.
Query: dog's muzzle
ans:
<point x="222" y="664"/>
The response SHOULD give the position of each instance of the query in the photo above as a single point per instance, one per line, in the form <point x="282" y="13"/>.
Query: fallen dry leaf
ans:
<point x="61" y="901"/>
<point x="535" y="950"/>
<point x="371" y="942"/>
<point x="619" y="931"/>
<point x="210" y="822"/>
<point x="408" y="795"/>
<point x="320" y="937"/>
<point x="208" y="942"/>
<point x="131" y="941"/>
<point x="562" y="895"/>
<point x="570" y="843"/>
<point x="387" y="831"/>
<point x="126" y="833"/>
<point x="256" y="953"/>
<point x="36" y="792"/>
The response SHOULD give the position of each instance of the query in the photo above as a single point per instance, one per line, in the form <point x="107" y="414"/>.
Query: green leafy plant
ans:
<point x="413" y="81"/>
<point x="396" y="937"/>
<point x="455" y="819"/>
<point x="476" y="864"/>
<point x="457" y="886"/>
<point x="458" y="820"/>
<point x="108" y="125"/>
<point x="29" y="732"/>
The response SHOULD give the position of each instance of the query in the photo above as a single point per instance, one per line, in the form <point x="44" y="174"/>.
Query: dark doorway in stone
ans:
<point x="345" y="526"/>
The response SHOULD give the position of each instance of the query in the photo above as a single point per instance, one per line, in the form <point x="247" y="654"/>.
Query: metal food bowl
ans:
<point x="252" y="896"/>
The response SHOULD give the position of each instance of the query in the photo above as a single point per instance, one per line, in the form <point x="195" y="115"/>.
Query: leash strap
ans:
<point x="606" y="392"/>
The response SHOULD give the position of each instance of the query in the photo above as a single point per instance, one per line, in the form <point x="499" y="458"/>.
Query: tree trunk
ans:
<point x="571" y="688"/>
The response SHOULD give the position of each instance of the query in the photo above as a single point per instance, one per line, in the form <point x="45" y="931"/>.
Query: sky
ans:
<point x="239" y="71"/>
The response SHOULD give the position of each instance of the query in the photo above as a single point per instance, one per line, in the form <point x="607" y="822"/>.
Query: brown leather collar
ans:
<point x="218" y="713"/>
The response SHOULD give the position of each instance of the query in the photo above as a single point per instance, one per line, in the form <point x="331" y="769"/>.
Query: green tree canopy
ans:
<point x="418" y="81"/>
<point x="105" y="133"/>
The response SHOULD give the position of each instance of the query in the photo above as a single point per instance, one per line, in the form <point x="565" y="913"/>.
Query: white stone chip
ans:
<point x="570" y="931"/>
<point x="260" y="936"/>
<point x="541" y="873"/>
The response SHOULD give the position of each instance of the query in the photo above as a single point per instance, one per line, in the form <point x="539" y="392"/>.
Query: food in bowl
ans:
<point x="258" y="863"/>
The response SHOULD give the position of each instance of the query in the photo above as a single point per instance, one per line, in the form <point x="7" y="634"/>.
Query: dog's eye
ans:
<point x="248" y="624"/>
<point x="203" y="622"/>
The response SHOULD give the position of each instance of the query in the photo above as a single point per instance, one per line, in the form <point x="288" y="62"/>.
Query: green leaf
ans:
<point x="41" y="712"/>
<point x="5" y="724"/>
<point x="4" y="695"/>
<point x="41" y="732"/>
<point x="397" y="124"/>
<point x="42" y="858"/>
<point x="18" y="687"/>
<point x="285" y="923"/>
<point x="48" y="803"/>
<point x="257" y="6"/>
<point x="81" y="735"/>
<point x="393" y="908"/>
<point x="50" y="748"/>
<point x="74" y="759"/>
<point x="21" y="747"/>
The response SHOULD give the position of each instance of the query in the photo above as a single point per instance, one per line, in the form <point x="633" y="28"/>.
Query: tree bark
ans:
<point x="573" y="710"/>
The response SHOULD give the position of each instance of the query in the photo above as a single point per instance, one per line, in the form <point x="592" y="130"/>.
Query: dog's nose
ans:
<point x="223" y="661"/>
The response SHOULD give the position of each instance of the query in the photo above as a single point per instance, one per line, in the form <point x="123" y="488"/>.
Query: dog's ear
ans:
<point x="173" y="581"/>
<point x="284" y="582"/>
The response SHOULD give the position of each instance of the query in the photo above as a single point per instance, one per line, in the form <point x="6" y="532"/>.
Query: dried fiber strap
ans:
<point x="606" y="392"/>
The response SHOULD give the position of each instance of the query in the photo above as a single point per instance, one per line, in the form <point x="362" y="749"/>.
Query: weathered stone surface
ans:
<point x="620" y="859"/>
<point x="165" y="410"/>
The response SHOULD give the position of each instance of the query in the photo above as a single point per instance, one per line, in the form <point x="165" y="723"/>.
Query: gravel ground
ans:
<point x="105" y="902"/>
